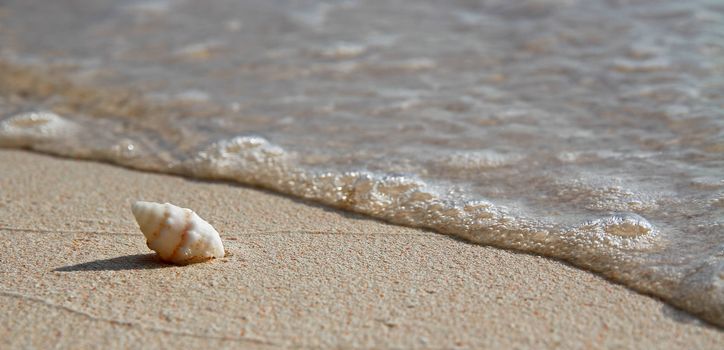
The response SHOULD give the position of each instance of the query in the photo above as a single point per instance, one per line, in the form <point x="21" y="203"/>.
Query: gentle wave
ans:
<point x="608" y="244"/>
<point x="590" y="131"/>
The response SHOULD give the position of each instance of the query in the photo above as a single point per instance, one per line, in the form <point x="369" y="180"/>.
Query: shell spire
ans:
<point x="177" y="234"/>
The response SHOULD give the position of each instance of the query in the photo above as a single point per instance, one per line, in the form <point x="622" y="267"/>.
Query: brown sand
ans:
<point x="75" y="272"/>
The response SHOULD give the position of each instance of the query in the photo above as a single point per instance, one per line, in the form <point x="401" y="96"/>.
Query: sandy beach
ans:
<point x="76" y="273"/>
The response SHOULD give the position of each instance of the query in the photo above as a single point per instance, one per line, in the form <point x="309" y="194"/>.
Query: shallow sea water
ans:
<point x="590" y="131"/>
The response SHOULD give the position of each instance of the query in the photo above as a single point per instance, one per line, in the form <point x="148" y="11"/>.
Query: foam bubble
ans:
<point x="624" y="225"/>
<point x="478" y="160"/>
<point x="344" y="50"/>
<point x="26" y="128"/>
<point x="199" y="51"/>
<point x="641" y="66"/>
<point x="239" y="156"/>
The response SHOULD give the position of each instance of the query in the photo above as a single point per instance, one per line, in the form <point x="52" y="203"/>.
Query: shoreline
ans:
<point x="298" y="275"/>
<point x="40" y="84"/>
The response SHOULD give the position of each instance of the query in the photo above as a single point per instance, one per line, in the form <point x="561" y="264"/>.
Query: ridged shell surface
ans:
<point x="177" y="234"/>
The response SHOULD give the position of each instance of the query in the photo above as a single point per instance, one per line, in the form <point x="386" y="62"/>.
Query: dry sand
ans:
<point x="75" y="273"/>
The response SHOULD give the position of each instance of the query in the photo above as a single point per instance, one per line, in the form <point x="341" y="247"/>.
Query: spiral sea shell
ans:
<point x="177" y="234"/>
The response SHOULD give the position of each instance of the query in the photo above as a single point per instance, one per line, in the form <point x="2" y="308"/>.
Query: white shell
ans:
<point x="177" y="234"/>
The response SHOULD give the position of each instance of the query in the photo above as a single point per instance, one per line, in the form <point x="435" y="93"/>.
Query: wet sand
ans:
<point x="76" y="273"/>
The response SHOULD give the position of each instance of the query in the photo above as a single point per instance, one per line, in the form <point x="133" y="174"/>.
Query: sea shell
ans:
<point x="177" y="234"/>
